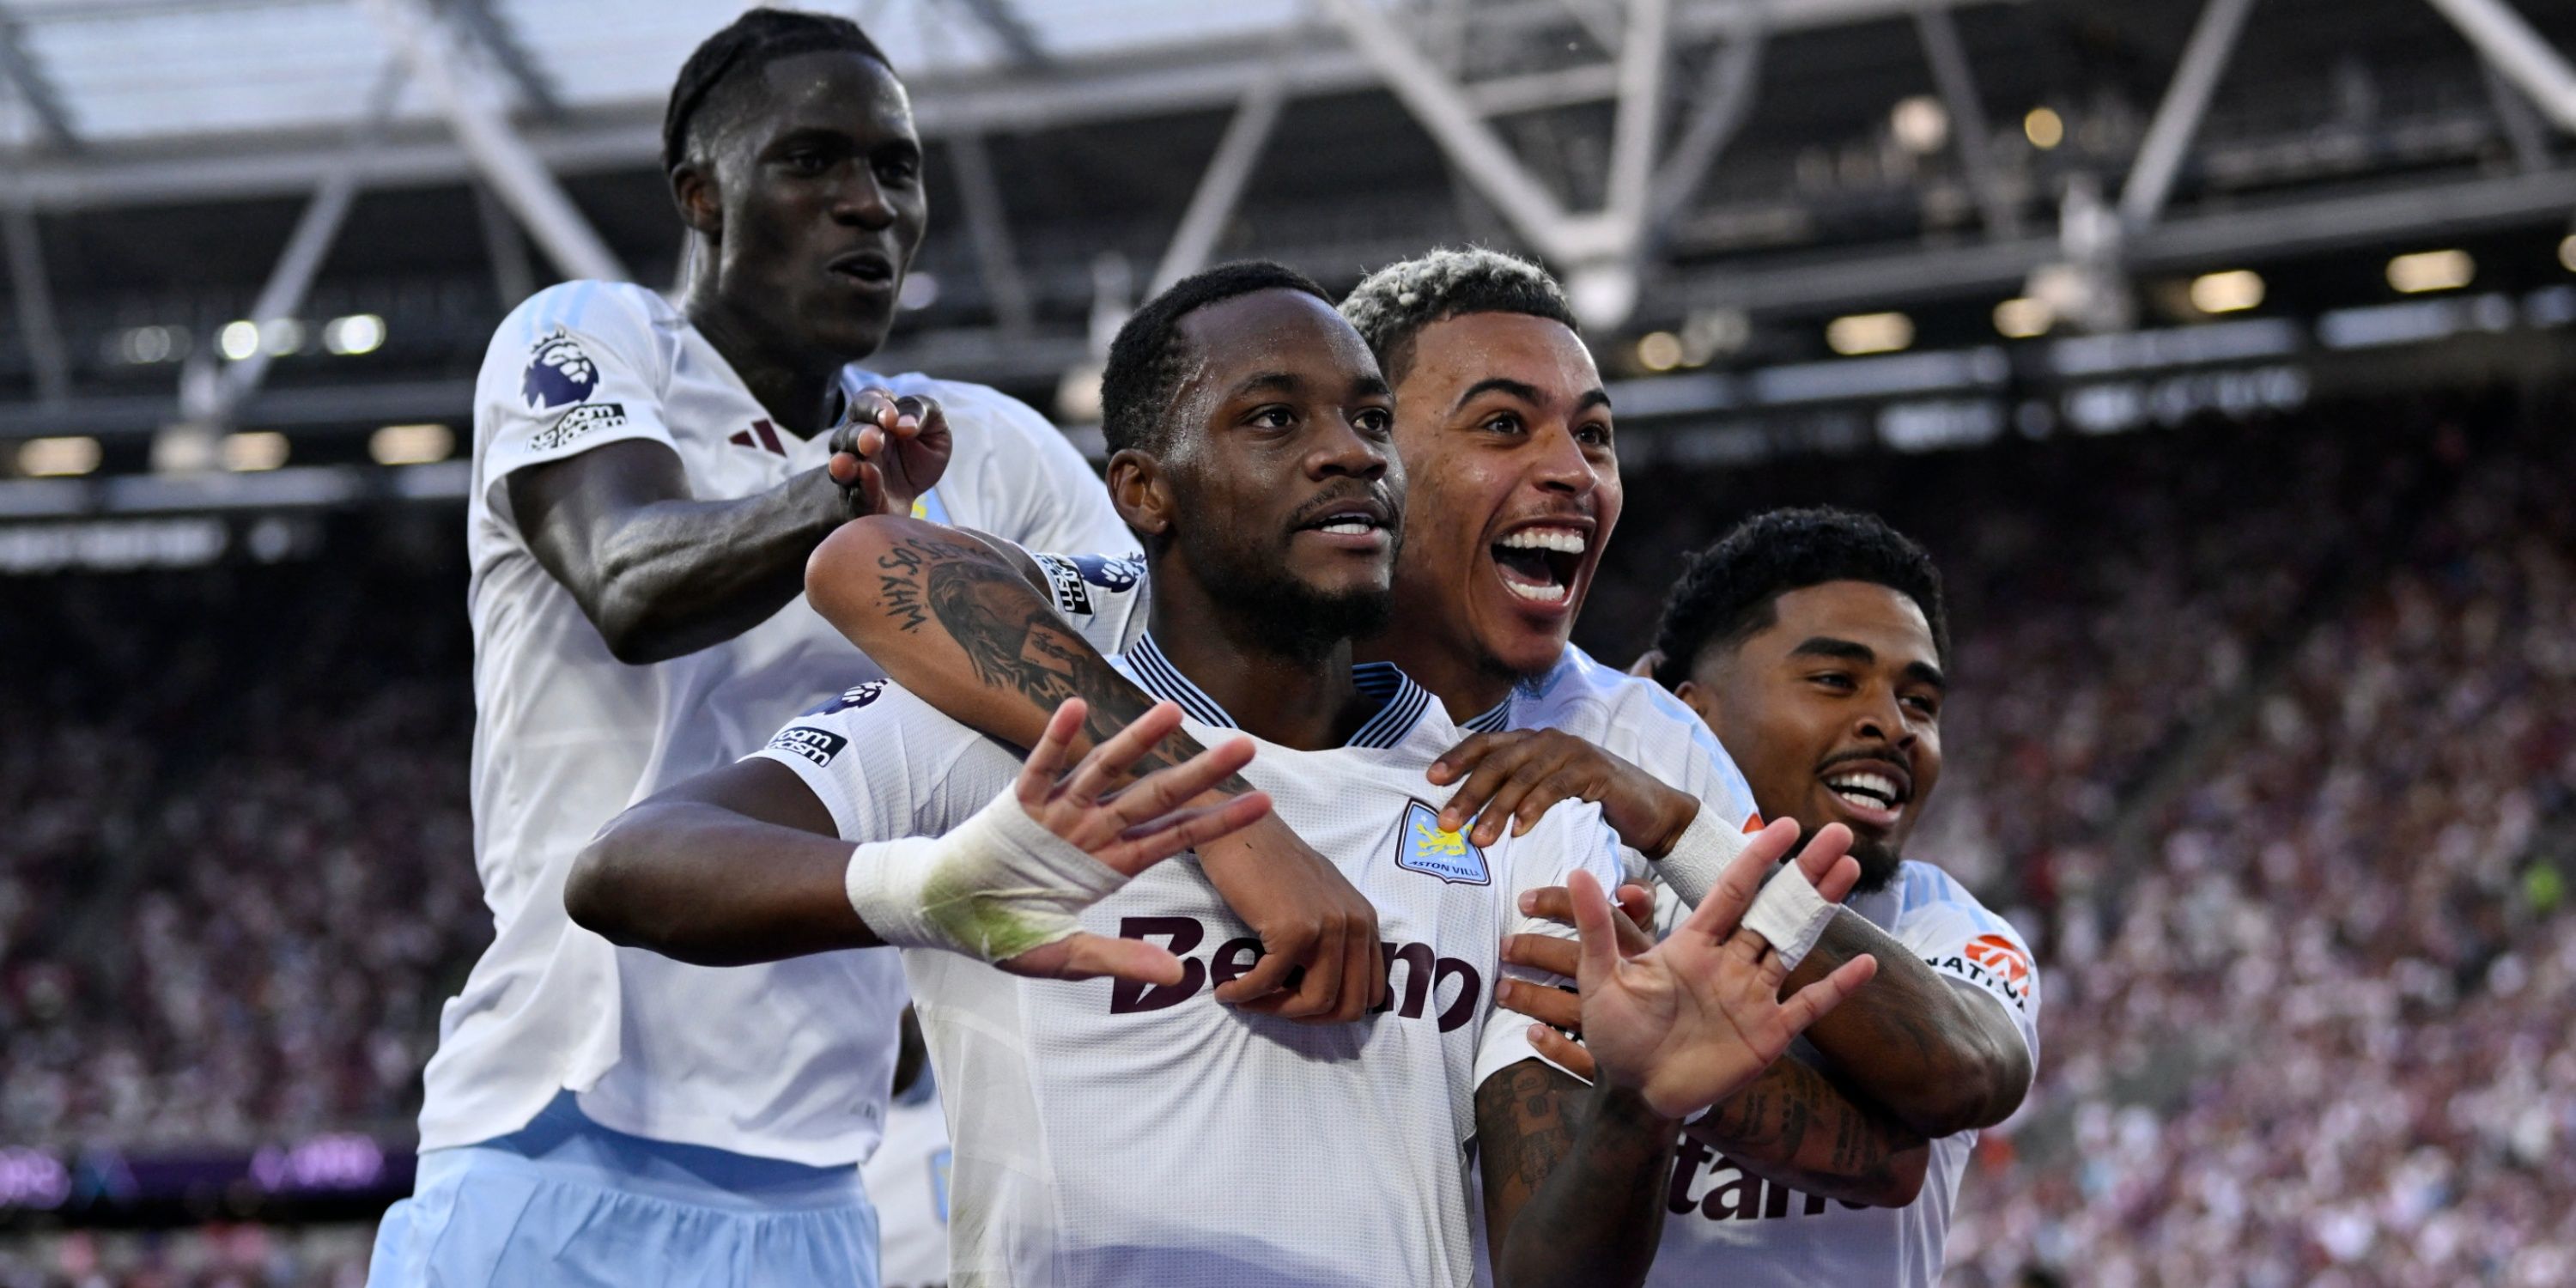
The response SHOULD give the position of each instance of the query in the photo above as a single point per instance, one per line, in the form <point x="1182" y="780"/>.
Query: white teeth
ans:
<point x="1349" y="527"/>
<point x="1850" y="786"/>
<point x="1550" y="593"/>
<point x="1562" y="540"/>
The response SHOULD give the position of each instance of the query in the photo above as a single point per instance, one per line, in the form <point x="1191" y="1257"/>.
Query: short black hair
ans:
<point x="1392" y="305"/>
<point x="756" y="39"/>
<point x="1146" y="360"/>
<point x="1732" y="589"/>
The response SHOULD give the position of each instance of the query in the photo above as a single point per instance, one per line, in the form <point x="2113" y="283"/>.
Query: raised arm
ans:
<point x="1940" y="1056"/>
<point x="958" y="624"/>
<point x="661" y="573"/>
<point x="746" y="863"/>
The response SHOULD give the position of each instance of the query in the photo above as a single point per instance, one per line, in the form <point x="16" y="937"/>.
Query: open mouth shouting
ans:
<point x="1540" y="563"/>
<point x="1870" y="792"/>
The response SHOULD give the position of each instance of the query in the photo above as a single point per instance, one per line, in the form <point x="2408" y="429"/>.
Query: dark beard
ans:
<point x="1294" y="620"/>
<point x="1878" y="864"/>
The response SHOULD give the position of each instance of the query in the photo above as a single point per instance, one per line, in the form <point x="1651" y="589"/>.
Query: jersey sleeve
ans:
<point x="1571" y="836"/>
<point x="1105" y="597"/>
<point x="1671" y="742"/>
<point x="1957" y="937"/>
<point x="577" y="366"/>
<point x="886" y="765"/>
<point x="1032" y="486"/>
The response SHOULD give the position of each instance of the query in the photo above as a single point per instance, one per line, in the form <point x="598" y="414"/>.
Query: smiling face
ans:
<point x="808" y="182"/>
<point x="1278" y="493"/>
<point x="1505" y="431"/>
<point x="1833" y="711"/>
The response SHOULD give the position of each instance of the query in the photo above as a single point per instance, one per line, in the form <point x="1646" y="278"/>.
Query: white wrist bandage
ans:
<point x="1790" y="914"/>
<point x="1699" y="854"/>
<point x="994" y="888"/>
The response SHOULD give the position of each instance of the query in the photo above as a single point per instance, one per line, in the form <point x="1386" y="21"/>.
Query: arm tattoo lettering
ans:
<point x="1794" y="1125"/>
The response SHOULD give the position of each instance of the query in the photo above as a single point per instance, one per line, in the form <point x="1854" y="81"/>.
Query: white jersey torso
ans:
<point x="1726" y="1228"/>
<point x="787" y="1061"/>
<point x="1110" y="1134"/>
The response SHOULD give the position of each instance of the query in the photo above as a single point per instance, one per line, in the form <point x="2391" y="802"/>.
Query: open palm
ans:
<point x="1692" y="1020"/>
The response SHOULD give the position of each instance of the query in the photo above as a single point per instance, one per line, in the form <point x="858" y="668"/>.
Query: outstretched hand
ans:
<point x="1691" y="1020"/>
<point x="1129" y="829"/>
<point x="888" y="451"/>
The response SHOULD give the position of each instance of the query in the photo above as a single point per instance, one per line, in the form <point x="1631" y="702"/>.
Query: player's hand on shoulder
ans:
<point x="1126" y="829"/>
<point x="1514" y="777"/>
<point x="1560" y="1009"/>
<point x="1691" y="1020"/>
<point x="1320" y="961"/>
<point x="888" y="450"/>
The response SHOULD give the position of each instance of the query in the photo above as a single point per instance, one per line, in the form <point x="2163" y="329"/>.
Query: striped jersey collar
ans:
<point x="1493" y="719"/>
<point x="1401" y="701"/>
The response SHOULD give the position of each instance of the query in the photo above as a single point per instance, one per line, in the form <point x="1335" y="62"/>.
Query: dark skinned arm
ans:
<point x="738" y="865"/>
<point x="1792" y="1124"/>
<point x="1574" y="1178"/>
<point x="956" y="624"/>
<point x="1937" y="1054"/>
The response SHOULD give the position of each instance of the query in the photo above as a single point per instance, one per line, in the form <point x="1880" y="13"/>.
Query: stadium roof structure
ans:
<point x="308" y="214"/>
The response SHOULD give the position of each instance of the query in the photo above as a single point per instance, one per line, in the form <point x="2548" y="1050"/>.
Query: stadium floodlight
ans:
<point x="2024" y="318"/>
<point x="1659" y="351"/>
<point x="1921" y="125"/>
<point x="411" y="444"/>
<point x="238" y="340"/>
<point x="2233" y="291"/>
<point x="281" y="336"/>
<point x="1869" y="333"/>
<point x="2043" y="127"/>
<point x="358" y="333"/>
<point x="2567" y="252"/>
<point x="920" y="291"/>
<point x="2431" y="270"/>
<point x="50" y="458"/>
<point x="143" y="346"/>
<point x="251" y="452"/>
<point x="1077" y="394"/>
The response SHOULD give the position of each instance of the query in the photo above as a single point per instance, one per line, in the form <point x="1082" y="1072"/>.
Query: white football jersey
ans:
<point x="1728" y="1227"/>
<point x="1638" y="721"/>
<point x="907" y="1180"/>
<point x="1114" y="1134"/>
<point x="786" y="1061"/>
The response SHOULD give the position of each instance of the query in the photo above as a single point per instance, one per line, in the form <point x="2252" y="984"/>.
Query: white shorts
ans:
<point x="568" y="1202"/>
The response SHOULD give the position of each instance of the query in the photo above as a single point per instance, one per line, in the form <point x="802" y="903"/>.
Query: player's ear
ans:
<point x="1702" y="700"/>
<point x="1141" y="491"/>
<point x="693" y="189"/>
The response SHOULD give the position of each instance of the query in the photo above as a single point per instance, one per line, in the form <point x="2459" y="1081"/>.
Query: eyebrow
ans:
<point x="1594" y="397"/>
<point x="1281" y="382"/>
<point x="1853" y="651"/>
<point x="1504" y="384"/>
<point x="1371" y="387"/>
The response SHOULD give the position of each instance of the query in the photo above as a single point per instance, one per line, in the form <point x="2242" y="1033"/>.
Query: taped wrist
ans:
<point x="1699" y="854"/>
<point x="997" y="886"/>
<point x="1790" y="914"/>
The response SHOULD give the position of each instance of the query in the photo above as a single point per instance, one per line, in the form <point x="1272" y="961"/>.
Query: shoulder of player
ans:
<point x="882" y="709"/>
<point x="608" y="311"/>
<point x="1924" y="890"/>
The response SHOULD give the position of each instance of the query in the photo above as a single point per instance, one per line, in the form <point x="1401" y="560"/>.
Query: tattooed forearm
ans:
<point x="1794" y="1126"/>
<point x="1574" y="1178"/>
<point x="1939" y="1062"/>
<point x="1013" y="642"/>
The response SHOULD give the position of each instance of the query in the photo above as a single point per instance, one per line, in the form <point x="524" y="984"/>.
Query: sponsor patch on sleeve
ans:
<point x="1991" y="962"/>
<point x="1424" y="846"/>
<point x="1117" y="576"/>
<point x="559" y="373"/>
<point x="1064" y="582"/>
<point x="577" y="422"/>
<point x="817" y="745"/>
<point x="856" y="696"/>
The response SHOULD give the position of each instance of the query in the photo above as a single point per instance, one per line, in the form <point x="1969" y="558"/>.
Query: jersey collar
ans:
<point x="1401" y="702"/>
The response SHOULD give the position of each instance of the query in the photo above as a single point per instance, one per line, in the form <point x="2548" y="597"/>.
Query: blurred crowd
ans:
<point x="2264" y="731"/>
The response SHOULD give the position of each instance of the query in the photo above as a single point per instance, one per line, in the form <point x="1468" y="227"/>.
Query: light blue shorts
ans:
<point x="569" y="1203"/>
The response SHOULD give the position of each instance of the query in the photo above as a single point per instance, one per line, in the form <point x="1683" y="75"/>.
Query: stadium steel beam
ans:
<point x="988" y="226"/>
<point x="1003" y="20"/>
<point x="213" y="402"/>
<point x="1958" y="85"/>
<point x="512" y="278"/>
<point x="2178" y="117"/>
<point x="504" y="160"/>
<point x="492" y="30"/>
<point x="1726" y="99"/>
<point x="37" y="320"/>
<point x="2523" y="131"/>
<point x="19" y="65"/>
<point x="1221" y="185"/>
<point x="2520" y="53"/>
